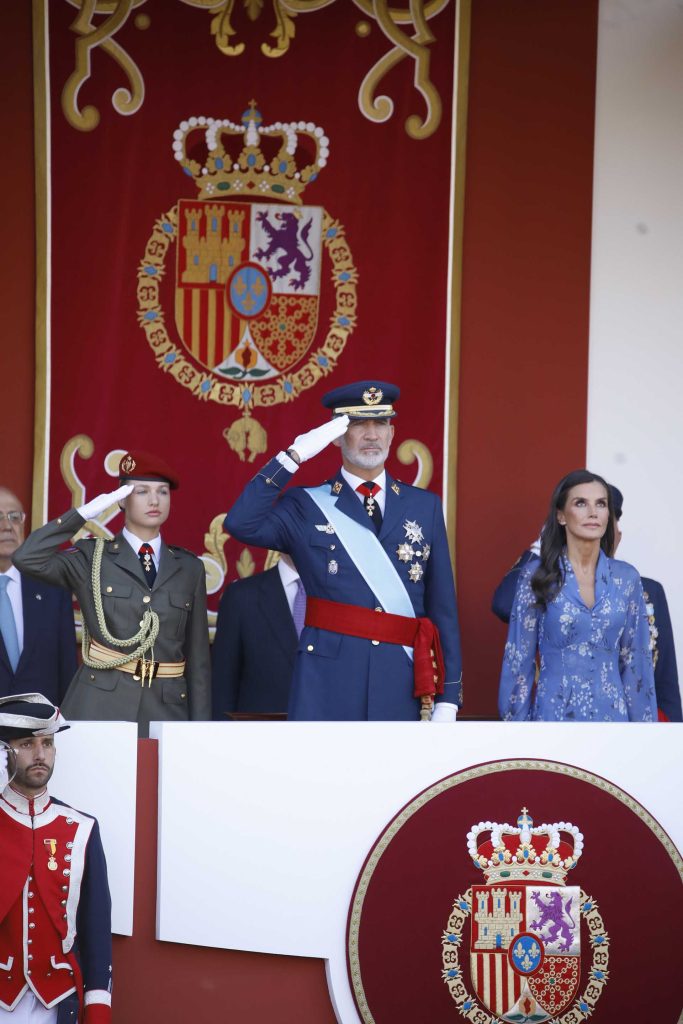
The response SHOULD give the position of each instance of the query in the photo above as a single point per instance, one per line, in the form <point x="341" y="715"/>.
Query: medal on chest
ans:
<point x="51" y="862"/>
<point x="406" y="552"/>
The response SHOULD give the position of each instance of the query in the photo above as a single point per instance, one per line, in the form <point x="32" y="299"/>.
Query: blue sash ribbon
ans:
<point x="368" y="555"/>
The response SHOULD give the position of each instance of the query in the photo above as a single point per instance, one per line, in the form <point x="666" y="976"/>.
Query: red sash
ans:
<point x="420" y="634"/>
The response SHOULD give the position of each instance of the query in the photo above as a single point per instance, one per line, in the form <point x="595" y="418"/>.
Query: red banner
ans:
<point x="246" y="205"/>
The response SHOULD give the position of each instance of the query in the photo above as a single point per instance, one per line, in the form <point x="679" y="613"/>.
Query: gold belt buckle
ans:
<point x="145" y="669"/>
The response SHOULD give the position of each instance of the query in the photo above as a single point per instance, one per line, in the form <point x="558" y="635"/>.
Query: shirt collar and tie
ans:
<point x="148" y="551"/>
<point x="371" y="492"/>
<point x="355" y="481"/>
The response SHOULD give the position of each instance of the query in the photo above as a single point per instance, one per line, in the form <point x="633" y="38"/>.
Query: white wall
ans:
<point x="635" y="401"/>
<point x="96" y="772"/>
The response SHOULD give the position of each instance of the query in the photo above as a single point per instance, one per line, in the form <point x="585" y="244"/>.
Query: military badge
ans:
<point x="128" y="464"/>
<point x="337" y="488"/>
<point x="406" y="552"/>
<point x="413" y="531"/>
<point x="373" y="396"/>
<point x="249" y="260"/>
<point x="51" y="861"/>
<point x="324" y="527"/>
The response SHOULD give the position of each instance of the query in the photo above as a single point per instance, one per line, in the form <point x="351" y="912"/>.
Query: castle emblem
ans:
<point x="525" y="951"/>
<point x="252" y="263"/>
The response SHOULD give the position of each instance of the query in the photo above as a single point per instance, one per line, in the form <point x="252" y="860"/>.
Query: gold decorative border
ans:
<point x="42" y="209"/>
<point x="463" y="22"/>
<point x="477" y="772"/>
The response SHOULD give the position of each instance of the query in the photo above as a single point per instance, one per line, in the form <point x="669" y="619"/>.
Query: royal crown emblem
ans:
<point x="249" y="270"/>
<point x="525" y="957"/>
<point x="250" y="158"/>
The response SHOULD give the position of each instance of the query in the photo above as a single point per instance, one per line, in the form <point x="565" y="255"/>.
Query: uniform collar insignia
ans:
<point x="395" y="488"/>
<point x="337" y="487"/>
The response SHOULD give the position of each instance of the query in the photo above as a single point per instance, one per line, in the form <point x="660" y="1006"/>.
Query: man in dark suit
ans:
<point x="255" y="643"/>
<point x="37" y="638"/>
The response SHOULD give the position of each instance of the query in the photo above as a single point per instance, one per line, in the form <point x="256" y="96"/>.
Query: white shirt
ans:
<point x="14" y="594"/>
<point x="136" y="544"/>
<point x="289" y="578"/>
<point x="354" y="481"/>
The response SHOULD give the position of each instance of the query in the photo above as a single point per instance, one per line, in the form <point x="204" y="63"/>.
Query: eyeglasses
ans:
<point x="13" y="517"/>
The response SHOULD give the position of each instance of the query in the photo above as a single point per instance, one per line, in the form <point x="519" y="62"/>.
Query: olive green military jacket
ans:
<point x="178" y="597"/>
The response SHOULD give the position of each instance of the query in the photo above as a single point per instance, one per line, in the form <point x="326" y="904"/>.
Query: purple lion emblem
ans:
<point x="551" y="916"/>
<point x="283" y="238"/>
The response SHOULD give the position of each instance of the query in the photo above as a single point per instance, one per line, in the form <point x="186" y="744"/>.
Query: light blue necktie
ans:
<point x="299" y="607"/>
<point x="8" y="626"/>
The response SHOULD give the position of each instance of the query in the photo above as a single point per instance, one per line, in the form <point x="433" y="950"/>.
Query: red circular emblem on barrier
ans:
<point x="518" y="891"/>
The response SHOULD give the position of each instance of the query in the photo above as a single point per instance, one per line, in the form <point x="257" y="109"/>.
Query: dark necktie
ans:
<point x="147" y="562"/>
<point x="369" y="490"/>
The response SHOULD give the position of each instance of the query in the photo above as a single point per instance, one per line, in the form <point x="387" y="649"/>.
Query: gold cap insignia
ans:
<point x="373" y="396"/>
<point x="128" y="464"/>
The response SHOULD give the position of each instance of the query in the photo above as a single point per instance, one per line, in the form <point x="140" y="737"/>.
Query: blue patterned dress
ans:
<point x="595" y="663"/>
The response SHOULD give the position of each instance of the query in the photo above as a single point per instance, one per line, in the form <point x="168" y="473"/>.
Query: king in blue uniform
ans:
<point x="368" y="543"/>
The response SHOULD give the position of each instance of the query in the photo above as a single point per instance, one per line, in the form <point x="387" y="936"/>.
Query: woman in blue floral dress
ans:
<point x="584" y="613"/>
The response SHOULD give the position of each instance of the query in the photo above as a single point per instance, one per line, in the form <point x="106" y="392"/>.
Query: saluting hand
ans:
<point x="92" y="509"/>
<point x="305" y="446"/>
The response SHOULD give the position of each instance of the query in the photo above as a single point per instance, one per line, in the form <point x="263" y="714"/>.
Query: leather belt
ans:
<point x="139" y="669"/>
<point x="420" y="633"/>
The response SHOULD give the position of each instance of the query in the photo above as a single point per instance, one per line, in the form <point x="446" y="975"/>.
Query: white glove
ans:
<point x="4" y="776"/>
<point x="92" y="509"/>
<point x="444" y="712"/>
<point x="312" y="443"/>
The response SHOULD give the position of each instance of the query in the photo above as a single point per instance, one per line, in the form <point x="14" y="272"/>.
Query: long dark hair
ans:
<point x="549" y="576"/>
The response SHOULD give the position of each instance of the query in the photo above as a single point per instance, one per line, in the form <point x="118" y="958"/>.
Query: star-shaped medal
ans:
<point x="413" y="531"/>
<point x="416" y="572"/>
<point x="405" y="552"/>
<point x="426" y="551"/>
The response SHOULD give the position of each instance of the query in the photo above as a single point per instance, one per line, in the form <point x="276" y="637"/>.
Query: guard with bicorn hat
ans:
<point x="55" y="908"/>
<point x="145" y="633"/>
<point x="381" y="639"/>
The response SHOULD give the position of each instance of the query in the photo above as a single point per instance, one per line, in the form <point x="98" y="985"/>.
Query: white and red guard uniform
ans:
<point x="55" y="910"/>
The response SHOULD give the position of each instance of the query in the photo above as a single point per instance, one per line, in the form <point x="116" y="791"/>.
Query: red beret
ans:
<point x="139" y="465"/>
